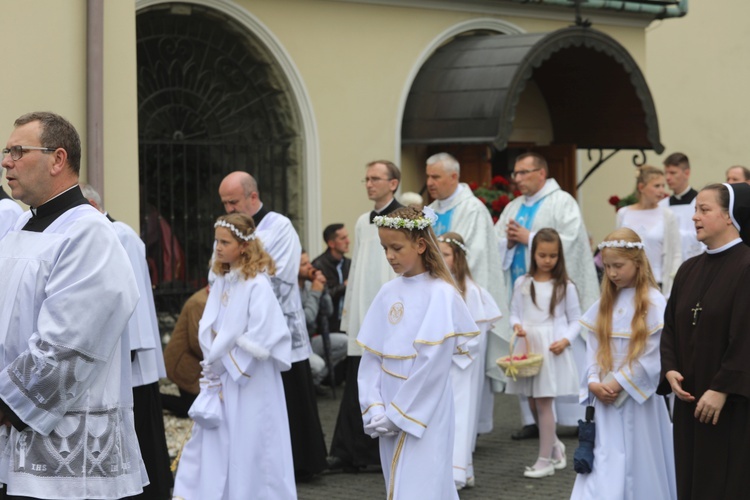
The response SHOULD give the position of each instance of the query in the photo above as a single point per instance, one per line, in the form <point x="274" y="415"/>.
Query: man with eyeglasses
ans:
<point x="68" y="292"/>
<point x="458" y="210"/>
<point x="351" y="448"/>
<point x="544" y="204"/>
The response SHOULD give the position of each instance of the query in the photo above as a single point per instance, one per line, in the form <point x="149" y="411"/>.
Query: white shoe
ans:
<point x="547" y="470"/>
<point x="561" y="463"/>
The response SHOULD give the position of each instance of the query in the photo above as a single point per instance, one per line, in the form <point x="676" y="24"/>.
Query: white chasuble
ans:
<point x="142" y="330"/>
<point x="473" y="222"/>
<point x="633" y="449"/>
<point x="410" y="334"/>
<point x="281" y="242"/>
<point x="66" y="298"/>
<point x="369" y="271"/>
<point x="245" y="339"/>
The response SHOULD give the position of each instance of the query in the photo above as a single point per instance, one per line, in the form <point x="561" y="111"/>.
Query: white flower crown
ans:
<point x="233" y="228"/>
<point x="451" y="241"/>
<point x="620" y="244"/>
<point x="428" y="219"/>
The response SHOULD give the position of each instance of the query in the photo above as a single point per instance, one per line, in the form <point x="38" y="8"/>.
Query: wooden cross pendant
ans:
<point x="696" y="312"/>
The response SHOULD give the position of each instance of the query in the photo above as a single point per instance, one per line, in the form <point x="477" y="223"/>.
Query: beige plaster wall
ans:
<point x="356" y="61"/>
<point x="45" y="70"/>
<point x="698" y="71"/>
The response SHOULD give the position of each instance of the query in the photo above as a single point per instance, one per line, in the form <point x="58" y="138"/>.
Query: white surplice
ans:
<point x="143" y="330"/>
<point x="467" y="379"/>
<point x="633" y="451"/>
<point x="410" y="334"/>
<point x="10" y="211"/>
<point x="244" y="337"/>
<point x="281" y="242"/>
<point x="66" y="298"/>
<point x="368" y="272"/>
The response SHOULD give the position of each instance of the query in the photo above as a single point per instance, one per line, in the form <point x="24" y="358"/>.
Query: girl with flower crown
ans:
<point x="414" y="327"/>
<point x="633" y="453"/>
<point x="467" y="370"/>
<point x="240" y="445"/>
<point x="545" y="313"/>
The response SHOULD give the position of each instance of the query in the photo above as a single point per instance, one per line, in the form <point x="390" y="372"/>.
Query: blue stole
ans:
<point x="443" y="224"/>
<point x="524" y="217"/>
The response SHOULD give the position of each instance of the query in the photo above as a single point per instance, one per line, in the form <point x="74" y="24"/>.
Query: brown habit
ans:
<point x="712" y="462"/>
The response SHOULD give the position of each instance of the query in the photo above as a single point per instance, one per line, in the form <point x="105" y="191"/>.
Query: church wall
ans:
<point x="45" y="70"/>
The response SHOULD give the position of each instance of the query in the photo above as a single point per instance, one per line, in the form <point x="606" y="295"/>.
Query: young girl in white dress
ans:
<point x="545" y="312"/>
<point x="633" y="448"/>
<point x="467" y="370"/>
<point x="414" y="327"/>
<point x="240" y="445"/>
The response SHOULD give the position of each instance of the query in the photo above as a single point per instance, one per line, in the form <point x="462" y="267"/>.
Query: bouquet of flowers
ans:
<point x="495" y="196"/>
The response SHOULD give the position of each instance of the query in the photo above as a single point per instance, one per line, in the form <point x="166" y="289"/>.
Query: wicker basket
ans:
<point x="520" y="368"/>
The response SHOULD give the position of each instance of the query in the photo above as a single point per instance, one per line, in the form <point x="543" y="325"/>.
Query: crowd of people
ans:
<point x="413" y="323"/>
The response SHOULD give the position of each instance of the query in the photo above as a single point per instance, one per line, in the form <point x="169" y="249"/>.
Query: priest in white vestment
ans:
<point x="682" y="203"/>
<point x="239" y="193"/>
<point x="147" y="361"/>
<point x="67" y="295"/>
<point x="544" y="204"/>
<point x="461" y="212"/>
<point x="9" y="212"/>
<point x="351" y="449"/>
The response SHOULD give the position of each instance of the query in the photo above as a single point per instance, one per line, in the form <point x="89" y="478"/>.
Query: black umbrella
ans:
<point x="583" y="458"/>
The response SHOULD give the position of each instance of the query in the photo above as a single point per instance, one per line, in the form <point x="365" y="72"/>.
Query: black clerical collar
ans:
<point x="109" y="217"/>
<point x="4" y="195"/>
<point x="685" y="198"/>
<point x="47" y="213"/>
<point x="392" y="206"/>
<point x="262" y="212"/>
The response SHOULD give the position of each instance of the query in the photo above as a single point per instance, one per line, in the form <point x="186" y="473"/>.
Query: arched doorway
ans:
<point x="211" y="99"/>
<point x="487" y="97"/>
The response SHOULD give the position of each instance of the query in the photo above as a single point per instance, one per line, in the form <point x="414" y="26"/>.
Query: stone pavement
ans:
<point x="498" y="464"/>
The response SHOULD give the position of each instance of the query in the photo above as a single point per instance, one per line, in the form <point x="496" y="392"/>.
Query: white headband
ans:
<point x="428" y="219"/>
<point x="451" y="241"/>
<point x="233" y="228"/>
<point x="620" y="244"/>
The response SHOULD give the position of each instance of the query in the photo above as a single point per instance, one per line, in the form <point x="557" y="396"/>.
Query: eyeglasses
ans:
<point x="523" y="172"/>
<point x="373" y="179"/>
<point x="16" y="152"/>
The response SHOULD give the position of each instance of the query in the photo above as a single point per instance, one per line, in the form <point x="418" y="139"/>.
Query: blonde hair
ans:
<point x="253" y="258"/>
<point x="460" y="271"/>
<point x="644" y="175"/>
<point x="431" y="258"/>
<point x="644" y="280"/>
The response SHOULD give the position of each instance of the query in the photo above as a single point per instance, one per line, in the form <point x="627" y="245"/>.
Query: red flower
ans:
<point x="494" y="219"/>
<point x="497" y="205"/>
<point x="473" y="186"/>
<point x="484" y="202"/>
<point x="499" y="180"/>
<point x="614" y="200"/>
<point x="517" y="193"/>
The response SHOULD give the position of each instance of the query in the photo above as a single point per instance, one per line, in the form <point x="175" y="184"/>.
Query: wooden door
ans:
<point x="561" y="159"/>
